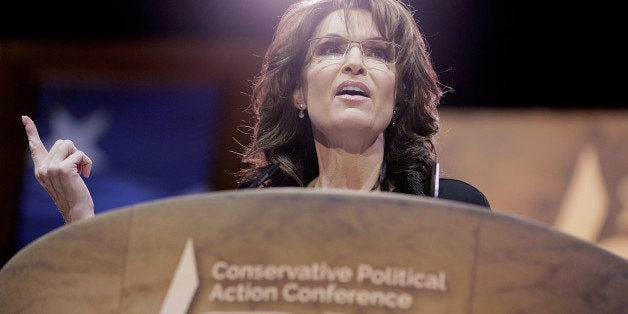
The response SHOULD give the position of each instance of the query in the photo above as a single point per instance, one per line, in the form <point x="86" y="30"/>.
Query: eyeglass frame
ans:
<point x="351" y="43"/>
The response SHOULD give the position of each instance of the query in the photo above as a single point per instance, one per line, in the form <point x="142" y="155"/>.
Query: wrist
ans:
<point x="79" y="213"/>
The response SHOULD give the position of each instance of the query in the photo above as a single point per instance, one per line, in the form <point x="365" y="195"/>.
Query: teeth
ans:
<point x="352" y="88"/>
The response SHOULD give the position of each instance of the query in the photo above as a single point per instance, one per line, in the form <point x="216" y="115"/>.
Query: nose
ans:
<point x="354" y="61"/>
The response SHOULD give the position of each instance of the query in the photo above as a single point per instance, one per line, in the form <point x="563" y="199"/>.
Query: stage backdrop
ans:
<point x="566" y="168"/>
<point x="146" y="143"/>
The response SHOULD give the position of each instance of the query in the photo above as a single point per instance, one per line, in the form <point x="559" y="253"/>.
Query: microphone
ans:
<point x="435" y="180"/>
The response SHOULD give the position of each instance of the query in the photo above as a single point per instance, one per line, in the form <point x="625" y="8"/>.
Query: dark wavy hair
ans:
<point x="282" y="152"/>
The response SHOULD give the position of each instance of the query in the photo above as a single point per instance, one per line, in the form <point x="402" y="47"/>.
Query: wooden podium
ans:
<point x="291" y="250"/>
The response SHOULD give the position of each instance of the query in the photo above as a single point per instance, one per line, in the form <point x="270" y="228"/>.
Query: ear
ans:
<point x="298" y="98"/>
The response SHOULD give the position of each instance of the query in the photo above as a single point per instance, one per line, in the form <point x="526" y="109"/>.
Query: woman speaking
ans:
<point x="346" y="99"/>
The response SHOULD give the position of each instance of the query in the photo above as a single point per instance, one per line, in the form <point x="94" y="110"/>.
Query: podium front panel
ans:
<point x="289" y="250"/>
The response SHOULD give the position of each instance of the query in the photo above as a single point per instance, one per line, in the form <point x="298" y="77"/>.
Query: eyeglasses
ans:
<point x="334" y="48"/>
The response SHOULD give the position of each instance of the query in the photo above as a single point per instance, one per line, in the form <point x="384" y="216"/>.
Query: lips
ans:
<point x="352" y="88"/>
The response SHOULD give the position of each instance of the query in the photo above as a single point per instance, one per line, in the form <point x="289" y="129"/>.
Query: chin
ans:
<point x="359" y="120"/>
<point x="364" y="127"/>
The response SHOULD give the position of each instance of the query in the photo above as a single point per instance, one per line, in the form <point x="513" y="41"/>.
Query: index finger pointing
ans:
<point x="35" y="144"/>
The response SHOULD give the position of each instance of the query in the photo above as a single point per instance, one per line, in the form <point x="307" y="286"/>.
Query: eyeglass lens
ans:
<point x="336" y="47"/>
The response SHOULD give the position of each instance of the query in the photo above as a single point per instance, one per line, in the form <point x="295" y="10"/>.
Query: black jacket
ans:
<point x="457" y="190"/>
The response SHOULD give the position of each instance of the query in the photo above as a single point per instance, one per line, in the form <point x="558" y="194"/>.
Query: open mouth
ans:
<point x="352" y="91"/>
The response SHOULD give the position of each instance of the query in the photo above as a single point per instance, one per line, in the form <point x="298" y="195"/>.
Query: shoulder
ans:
<point x="458" y="190"/>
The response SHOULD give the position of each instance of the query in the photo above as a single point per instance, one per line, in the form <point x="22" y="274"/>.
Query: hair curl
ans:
<point x="280" y="139"/>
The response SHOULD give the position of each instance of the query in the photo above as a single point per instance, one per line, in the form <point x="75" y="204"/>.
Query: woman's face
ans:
<point x="350" y="98"/>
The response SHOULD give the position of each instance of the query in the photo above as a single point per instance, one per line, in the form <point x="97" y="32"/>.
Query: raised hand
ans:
<point x="59" y="172"/>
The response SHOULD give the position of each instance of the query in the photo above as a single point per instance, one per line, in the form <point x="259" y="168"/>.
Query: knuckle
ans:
<point x="41" y="172"/>
<point x="64" y="142"/>
<point x="49" y="172"/>
<point x="54" y="170"/>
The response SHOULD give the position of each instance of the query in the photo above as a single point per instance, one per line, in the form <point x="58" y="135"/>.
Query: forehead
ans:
<point x="356" y="24"/>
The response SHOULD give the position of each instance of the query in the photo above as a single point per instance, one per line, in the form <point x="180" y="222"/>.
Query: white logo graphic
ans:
<point x="184" y="283"/>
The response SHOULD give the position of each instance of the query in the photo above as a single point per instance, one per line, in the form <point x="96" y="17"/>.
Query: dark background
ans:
<point x="493" y="53"/>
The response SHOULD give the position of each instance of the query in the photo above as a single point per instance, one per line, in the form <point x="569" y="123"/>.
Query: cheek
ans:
<point x="320" y="76"/>
<point x="388" y="89"/>
<point x="318" y="81"/>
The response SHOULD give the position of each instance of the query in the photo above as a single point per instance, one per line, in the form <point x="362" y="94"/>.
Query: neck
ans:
<point x="343" y="169"/>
